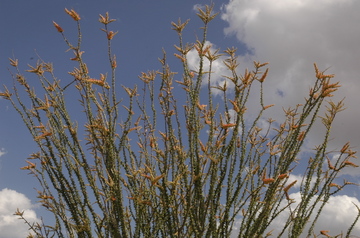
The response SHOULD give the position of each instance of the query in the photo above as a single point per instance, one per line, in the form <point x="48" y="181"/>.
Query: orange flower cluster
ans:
<point x="58" y="28"/>
<point x="73" y="14"/>
<point x="105" y="20"/>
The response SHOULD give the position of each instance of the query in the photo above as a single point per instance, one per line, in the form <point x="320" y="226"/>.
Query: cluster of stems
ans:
<point x="151" y="163"/>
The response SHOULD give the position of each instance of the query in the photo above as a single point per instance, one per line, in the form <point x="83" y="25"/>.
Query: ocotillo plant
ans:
<point x="151" y="163"/>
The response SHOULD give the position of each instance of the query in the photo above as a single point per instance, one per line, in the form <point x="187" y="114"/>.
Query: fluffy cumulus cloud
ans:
<point x="292" y="35"/>
<point x="336" y="217"/>
<point x="218" y="69"/>
<point x="10" y="225"/>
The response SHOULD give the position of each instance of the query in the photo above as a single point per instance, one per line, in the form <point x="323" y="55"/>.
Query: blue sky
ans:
<point x="144" y="29"/>
<point x="291" y="35"/>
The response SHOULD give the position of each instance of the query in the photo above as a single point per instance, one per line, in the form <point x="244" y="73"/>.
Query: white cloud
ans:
<point x="347" y="170"/>
<point x="336" y="217"/>
<point x="197" y="6"/>
<point x="10" y="225"/>
<point x="2" y="151"/>
<point x="293" y="177"/>
<point x="218" y="69"/>
<point x="292" y="35"/>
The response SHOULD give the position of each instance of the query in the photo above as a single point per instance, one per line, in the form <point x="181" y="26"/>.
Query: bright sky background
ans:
<point x="290" y="34"/>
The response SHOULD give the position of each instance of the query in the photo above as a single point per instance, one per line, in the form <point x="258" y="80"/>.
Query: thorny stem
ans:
<point x="148" y="167"/>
